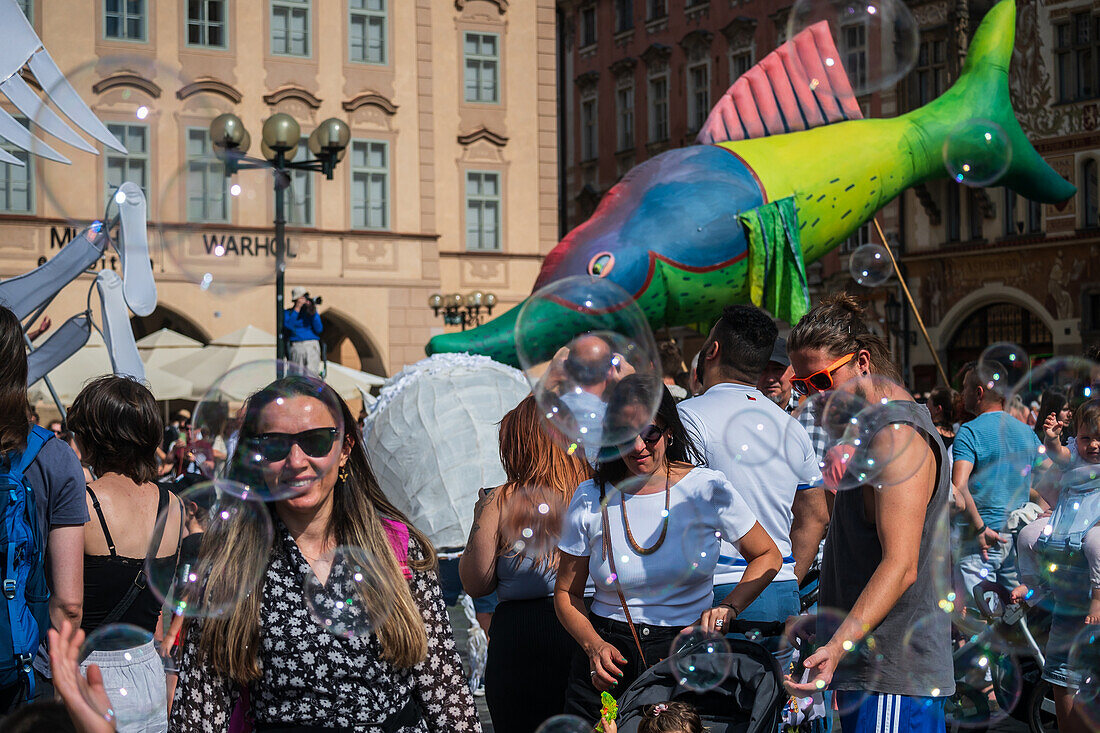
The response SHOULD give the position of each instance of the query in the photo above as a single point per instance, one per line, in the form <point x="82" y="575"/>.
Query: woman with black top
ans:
<point x="118" y="428"/>
<point x="266" y="654"/>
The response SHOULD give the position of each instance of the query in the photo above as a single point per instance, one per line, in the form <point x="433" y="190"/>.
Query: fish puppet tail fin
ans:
<point x="982" y="93"/>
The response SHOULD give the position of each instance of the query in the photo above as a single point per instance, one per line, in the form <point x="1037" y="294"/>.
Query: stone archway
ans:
<point x="340" y="333"/>
<point x="998" y="322"/>
<point x="166" y="317"/>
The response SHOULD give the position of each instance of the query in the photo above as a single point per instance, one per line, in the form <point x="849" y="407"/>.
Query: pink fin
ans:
<point x="800" y="85"/>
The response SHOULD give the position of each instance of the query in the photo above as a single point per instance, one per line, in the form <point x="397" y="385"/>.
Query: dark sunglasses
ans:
<point x="315" y="443"/>
<point x="821" y="380"/>
<point x="651" y="434"/>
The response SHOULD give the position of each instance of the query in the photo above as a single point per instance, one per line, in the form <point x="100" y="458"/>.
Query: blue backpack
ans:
<point x="24" y="609"/>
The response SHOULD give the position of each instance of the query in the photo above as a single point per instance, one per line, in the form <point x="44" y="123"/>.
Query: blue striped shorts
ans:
<point x="874" y="712"/>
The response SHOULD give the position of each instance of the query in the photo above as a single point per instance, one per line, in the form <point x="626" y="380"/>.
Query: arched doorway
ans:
<point x="998" y="322"/>
<point x="164" y="317"/>
<point x="347" y="344"/>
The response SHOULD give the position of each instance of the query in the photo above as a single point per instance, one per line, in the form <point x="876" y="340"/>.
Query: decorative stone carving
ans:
<point x="696" y="44"/>
<point x="293" y="92"/>
<point x="370" y="98"/>
<point x="502" y="5"/>
<point x="931" y="14"/>
<point x="587" y="81"/>
<point x="483" y="133"/>
<point x="740" y="31"/>
<point x="656" y="56"/>
<point x="127" y="79"/>
<point x="623" y="67"/>
<point x="209" y="85"/>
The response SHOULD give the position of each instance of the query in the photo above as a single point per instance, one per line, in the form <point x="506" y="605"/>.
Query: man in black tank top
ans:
<point x="889" y="659"/>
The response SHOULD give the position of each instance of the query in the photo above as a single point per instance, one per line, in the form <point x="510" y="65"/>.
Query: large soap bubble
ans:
<point x="870" y="265"/>
<point x="877" y="40"/>
<point x="531" y="519"/>
<point x="1002" y="366"/>
<point x="271" y="427"/>
<point x="977" y="152"/>
<point x="564" y="724"/>
<point x="1084" y="660"/>
<point x="602" y="388"/>
<point x="232" y="528"/>
<point x="350" y="602"/>
<point x="700" y="659"/>
<point x="979" y="666"/>
<point x="133" y="676"/>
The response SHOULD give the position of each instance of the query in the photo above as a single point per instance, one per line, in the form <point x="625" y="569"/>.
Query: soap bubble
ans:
<point x="700" y="659"/>
<point x="978" y="667"/>
<point x="201" y="213"/>
<point x="302" y="421"/>
<point x="1084" y="660"/>
<point x="876" y="40"/>
<point x="1001" y="367"/>
<point x="531" y="522"/>
<point x="350" y="602"/>
<point x="752" y="434"/>
<point x="231" y="527"/>
<point x="865" y="436"/>
<point x="807" y="633"/>
<point x="602" y="387"/>
<point x="977" y="153"/>
<point x="133" y="676"/>
<point x="564" y="724"/>
<point x="1077" y="379"/>
<point x="129" y="112"/>
<point x="870" y="265"/>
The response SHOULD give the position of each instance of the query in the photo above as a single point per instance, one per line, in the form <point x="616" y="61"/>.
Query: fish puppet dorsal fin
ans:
<point x="799" y="85"/>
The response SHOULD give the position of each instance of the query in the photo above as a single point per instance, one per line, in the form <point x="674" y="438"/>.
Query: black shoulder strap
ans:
<point x="140" y="582"/>
<point x="102" y="521"/>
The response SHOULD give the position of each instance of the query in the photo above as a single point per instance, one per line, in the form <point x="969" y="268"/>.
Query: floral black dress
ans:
<point x="313" y="678"/>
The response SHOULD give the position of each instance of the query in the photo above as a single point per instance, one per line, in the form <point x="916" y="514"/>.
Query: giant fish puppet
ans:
<point x="677" y="232"/>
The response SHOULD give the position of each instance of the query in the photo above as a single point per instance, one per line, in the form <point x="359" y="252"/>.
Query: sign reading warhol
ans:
<point x="215" y="244"/>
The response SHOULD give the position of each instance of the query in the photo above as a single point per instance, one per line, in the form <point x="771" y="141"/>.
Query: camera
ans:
<point x="317" y="300"/>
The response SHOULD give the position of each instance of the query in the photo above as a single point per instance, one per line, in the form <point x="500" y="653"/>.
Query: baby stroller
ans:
<point x="749" y="699"/>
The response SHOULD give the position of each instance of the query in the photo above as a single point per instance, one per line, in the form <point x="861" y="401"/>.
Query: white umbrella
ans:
<point x="166" y="346"/>
<point x="351" y="383"/>
<point x="92" y="361"/>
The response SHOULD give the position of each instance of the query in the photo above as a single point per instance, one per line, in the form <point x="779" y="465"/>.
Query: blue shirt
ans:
<point x="300" y="328"/>
<point x="1004" y="451"/>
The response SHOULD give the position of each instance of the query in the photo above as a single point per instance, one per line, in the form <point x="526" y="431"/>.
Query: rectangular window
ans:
<point x="589" y="129"/>
<point x="367" y="31"/>
<point x="656" y="9"/>
<point x="483" y="203"/>
<point x="588" y="26"/>
<point x="624" y="98"/>
<point x="134" y="165"/>
<point x="370" y="184"/>
<point x="1076" y="53"/>
<point x="124" y="20"/>
<point x="929" y="79"/>
<point x="1090" y="202"/>
<point x="1034" y="217"/>
<point x="624" y="15"/>
<point x="206" y="23"/>
<point x="698" y="95"/>
<point x="207" y="185"/>
<point x="482" y="54"/>
<point x="859" y="238"/>
<point x="17" y="182"/>
<point x="290" y="27"/>
<point x="1010" y="213"/>
<point x="854" y="49"/>
<point x="974" y="207"/>
<point x="951" y="212"/>
<point x="299" y="197"/>
<point x="740" y="62"/>
<point x="658" y="108"/>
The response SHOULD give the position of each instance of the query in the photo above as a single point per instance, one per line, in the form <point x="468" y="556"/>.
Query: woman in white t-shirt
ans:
<point x="665" y="517"/>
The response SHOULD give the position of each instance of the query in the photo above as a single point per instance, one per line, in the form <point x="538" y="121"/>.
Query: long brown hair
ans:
<point x="235" y="549"/>
<point x="836" y="326"/>
<point x="541" y="480"/>
<point x="14" y="409"/>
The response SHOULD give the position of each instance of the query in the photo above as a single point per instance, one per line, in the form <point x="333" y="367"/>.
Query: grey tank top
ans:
<point x="519" y="580"/>
<point x="909" y="653"/>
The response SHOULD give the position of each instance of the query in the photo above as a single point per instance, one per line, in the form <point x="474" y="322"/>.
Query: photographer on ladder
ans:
<point x="302" y="327"/>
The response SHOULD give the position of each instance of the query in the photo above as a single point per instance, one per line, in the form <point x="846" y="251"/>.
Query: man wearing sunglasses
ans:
<point x="762" y="450"/>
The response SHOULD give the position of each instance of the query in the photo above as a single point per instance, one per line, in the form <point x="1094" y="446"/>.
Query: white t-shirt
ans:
<point x="674" y="585"/>
<point x="765" y="453"/>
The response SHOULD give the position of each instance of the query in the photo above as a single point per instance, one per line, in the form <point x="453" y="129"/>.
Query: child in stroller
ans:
<point x="664" y="717"/>
<point x="1071" y="528"/>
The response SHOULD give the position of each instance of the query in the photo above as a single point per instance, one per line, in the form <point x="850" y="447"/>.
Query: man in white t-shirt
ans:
<point x="764" y="452"/>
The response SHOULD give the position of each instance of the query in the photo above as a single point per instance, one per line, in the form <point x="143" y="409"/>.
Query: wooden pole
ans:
<point x="912" y="305"/>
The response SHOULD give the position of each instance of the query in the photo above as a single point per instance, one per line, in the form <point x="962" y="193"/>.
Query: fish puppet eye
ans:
<point x="601" y="264"/>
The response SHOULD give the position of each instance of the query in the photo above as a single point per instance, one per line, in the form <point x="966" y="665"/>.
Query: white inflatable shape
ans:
<point x="432" y="439"/>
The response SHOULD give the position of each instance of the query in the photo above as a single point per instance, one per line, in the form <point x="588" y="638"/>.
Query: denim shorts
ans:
<point x="136" y="686"/>
<point x="1066" y="622"/>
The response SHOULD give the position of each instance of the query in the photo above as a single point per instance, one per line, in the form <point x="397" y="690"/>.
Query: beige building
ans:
<point x="449" y="184"/>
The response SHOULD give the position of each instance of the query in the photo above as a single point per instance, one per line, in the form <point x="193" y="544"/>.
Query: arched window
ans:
<point x="997" y="322"/>
<point x="1090" y="206"/>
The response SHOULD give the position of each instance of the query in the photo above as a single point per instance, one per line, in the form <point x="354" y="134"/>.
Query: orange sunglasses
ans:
<point x="820" y="380"/>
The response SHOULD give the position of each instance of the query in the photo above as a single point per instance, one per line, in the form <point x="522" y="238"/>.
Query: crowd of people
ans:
<point x="706" y="507"/>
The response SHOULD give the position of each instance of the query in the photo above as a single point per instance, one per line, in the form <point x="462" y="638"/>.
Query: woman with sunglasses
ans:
<point x="647" y="531"/>
<point x="300" y="444"/>
<point x="886" y="543"/>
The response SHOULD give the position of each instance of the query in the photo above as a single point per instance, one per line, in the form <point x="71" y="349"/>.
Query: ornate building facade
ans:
<point x="449" y="183"/>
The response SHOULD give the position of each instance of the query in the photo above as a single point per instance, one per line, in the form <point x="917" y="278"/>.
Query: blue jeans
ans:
<point x="973" y="568"/>
<point x="778" y="601"/>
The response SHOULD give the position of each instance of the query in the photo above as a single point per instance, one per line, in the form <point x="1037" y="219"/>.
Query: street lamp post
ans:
<point x="279" y="146"/>
<point x="462" y="310"/>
